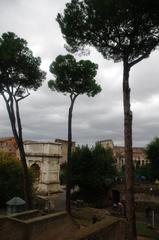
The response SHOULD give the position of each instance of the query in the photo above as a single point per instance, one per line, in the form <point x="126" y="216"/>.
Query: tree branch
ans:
<point x="16" y="90"/>
<point x="138" y="60"/>
<point x="10" y="109"/>
<point x="5" y="98"/>
<point x="18" y="119"/>
<point x="71" y="96"/>
<point x="19" y="99"/>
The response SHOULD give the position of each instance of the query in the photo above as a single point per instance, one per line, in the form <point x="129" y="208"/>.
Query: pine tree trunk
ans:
<point x="130" y="204"/>
<point x="26" y="179"/>
<point x="69" y="152"/>
<point x="17" y="133"/>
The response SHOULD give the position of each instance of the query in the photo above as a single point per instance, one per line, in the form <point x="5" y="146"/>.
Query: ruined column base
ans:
<point x="49" y="188"/>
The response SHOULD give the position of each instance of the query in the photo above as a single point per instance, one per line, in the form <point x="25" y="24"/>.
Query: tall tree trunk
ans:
<point x="130" y="204"/>
<point x="69" y="153"/>
<point x="17" y="133"/>
<point x="26" y="179"/>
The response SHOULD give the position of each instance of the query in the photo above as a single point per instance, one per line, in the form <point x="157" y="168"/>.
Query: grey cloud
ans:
<point x="44" y="113"/>
<point x="144" y="78"/>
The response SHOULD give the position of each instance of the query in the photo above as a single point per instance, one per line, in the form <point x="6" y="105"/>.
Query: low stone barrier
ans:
<point x="113" y="229"/>
<point x="58" y="226"/>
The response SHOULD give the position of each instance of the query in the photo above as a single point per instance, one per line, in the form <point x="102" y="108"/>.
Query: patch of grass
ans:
<point x="146" y="231"/>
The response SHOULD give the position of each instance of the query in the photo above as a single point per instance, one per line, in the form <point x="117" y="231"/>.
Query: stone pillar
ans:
<point x="49" y="182"/>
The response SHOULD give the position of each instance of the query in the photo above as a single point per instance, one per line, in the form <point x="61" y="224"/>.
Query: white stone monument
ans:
<point x="44" y="158"/>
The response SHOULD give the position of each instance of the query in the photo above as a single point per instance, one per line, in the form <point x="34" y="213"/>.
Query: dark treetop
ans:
<point x="19" y="69"/>
<point x="117" y="29"/>
<point x="74" y="77"/>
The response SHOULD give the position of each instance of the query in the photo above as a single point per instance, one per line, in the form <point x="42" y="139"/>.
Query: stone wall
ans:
<point x="52" y="226"/>
<point x="58" y="226"/>
<point x="146" y="197"/>
<point x="114" y="230"/>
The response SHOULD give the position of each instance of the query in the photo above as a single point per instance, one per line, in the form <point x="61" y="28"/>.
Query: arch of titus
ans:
<point x="45" y="156"/>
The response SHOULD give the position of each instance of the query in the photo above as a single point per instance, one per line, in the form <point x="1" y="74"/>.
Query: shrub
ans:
<point x="11" y="180"/>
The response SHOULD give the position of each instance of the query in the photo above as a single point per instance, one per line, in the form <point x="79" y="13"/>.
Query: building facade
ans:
<point x="8" y="144"/>
<point x="139" y="157"/>
<point x="64" y="145"/>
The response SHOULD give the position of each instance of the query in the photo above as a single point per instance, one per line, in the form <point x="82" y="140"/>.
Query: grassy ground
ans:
<point x="145" y="231"/>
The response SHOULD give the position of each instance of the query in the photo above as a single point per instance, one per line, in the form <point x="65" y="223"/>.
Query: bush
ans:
<point x="152" y="153"/>
<point x="143" y="172"/>
<point x="11" y="180"/>
<point x="92" y="170"/>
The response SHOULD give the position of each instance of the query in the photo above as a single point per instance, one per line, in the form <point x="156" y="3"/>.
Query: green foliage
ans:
<point x="145" y="171"/>
<point x="19" y="69"/>
<point x="11" y="180"/>
<point x="74" y="77"/>
<point x="146" y="231"/>
<point x="152" y="153"/>
<point x="121" y="172"/>
<point x="118" y="29"/>
<point x="140" y="172"/>
<point x="19" y="72"/>
<point x="92" y="170"/>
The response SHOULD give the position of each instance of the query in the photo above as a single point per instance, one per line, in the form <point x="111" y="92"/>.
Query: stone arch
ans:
<point x="36" y="171"/>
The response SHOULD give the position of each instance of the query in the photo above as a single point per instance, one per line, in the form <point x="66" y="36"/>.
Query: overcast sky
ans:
<point x="44" y="113"/>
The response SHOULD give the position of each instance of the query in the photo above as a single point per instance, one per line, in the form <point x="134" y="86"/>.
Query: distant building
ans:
<point x="64" y="145"/>
<point x="139" y="157"/>
<point x="8" y="144"/>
